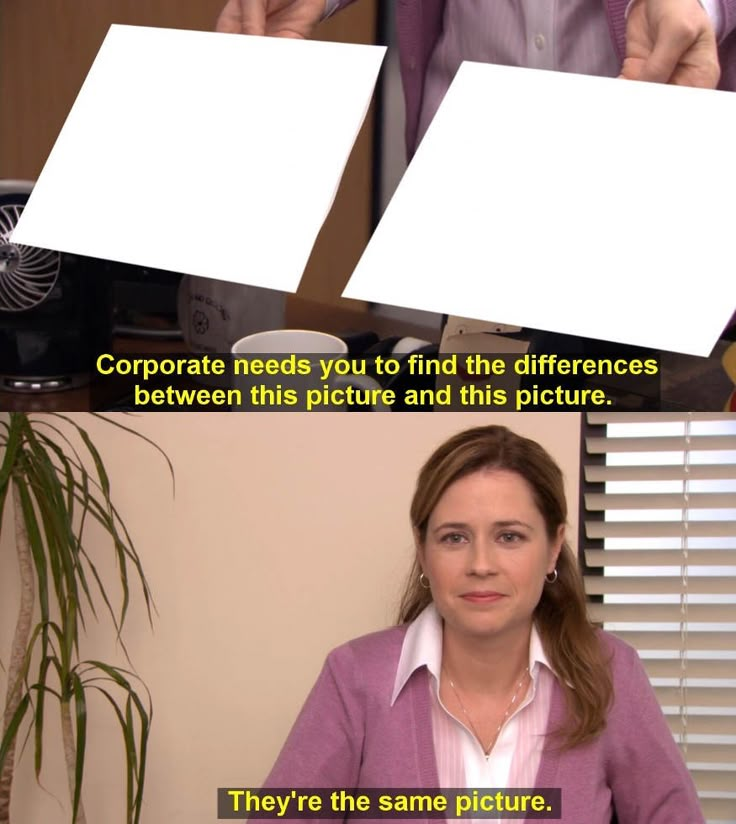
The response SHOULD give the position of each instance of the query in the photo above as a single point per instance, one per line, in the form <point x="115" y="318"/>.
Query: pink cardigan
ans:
<point x="348" y="736"/>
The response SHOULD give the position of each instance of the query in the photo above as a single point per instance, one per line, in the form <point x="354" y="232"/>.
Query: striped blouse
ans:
<point x="461" y="762"/>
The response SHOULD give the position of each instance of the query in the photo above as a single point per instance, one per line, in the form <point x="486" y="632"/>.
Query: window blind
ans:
<point x="660" y="558"/>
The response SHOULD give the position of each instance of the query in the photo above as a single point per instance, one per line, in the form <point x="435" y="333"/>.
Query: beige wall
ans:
<point x="288" y="534"/>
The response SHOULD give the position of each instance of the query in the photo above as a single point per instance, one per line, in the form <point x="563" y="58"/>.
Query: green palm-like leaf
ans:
<point x="80" y="708"/>
<point x="135" y="753"/>
<point x="12" y="730"/>
<point x="61" y="486"/>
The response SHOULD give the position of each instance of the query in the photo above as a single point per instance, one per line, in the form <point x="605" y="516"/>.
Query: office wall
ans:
<point x="287" y="535"/>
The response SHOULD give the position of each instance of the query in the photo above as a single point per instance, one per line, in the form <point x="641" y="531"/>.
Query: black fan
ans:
<point x="27" y="274"/>
<point x="55" y="308"/>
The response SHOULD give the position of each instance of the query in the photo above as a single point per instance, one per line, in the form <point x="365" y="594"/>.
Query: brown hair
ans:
<point x="569" y="639"/>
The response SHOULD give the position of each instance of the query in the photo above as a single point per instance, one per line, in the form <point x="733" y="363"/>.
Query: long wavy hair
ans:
<point x="569" y="639"/>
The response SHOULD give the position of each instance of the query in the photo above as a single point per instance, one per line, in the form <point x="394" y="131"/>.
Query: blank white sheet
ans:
<point x="590" y="206"/>
<point x="210" y="154"/>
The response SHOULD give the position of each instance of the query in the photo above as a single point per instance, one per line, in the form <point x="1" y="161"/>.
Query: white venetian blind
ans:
<point x="660" y="509"/>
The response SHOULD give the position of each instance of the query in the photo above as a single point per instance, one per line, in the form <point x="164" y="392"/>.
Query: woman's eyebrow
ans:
<point x="450" y="525"/>
<point x="512" y="522"/>
<point x="496" y="524"/>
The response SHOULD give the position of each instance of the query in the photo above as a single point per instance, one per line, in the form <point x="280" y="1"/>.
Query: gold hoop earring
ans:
<point x="424" y="582"/>
<point x="551" y="577"/>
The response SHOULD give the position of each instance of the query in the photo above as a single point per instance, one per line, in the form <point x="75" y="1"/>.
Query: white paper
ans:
<point x="210" y="154"/>
<point x="590" y="206"/>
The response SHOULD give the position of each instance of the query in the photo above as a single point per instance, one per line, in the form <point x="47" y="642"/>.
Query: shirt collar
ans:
<point x="422" y="647"/>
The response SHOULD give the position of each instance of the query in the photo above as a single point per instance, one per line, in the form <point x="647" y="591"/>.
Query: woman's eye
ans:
<point x="452" y="538"/>
<point x="510" y="537"/>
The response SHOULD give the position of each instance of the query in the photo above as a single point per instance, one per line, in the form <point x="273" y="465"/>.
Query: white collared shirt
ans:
<point x="461" y="762"/>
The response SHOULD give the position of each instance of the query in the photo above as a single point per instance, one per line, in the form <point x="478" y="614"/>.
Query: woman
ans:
<point x="494" y="677"/>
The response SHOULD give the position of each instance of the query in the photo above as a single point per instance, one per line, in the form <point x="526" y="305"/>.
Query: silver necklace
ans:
<point x="487" y="750"/>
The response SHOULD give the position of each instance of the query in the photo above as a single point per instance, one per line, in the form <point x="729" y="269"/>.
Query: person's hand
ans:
<point x="277" y="18"/>
<point x="671" y="41"/>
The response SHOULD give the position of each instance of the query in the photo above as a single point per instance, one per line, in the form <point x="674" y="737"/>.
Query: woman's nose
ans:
<point x="482" y="558"/>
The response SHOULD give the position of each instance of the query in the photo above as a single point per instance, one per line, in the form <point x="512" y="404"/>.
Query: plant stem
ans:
<point x="18" y="649"/>
<point x="70" y="754"/>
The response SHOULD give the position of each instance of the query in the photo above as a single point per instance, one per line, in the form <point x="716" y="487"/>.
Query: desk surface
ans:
<point x="300" y="314"/>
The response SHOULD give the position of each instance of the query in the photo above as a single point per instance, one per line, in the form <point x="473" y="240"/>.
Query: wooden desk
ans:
<point x="300" y="314"/>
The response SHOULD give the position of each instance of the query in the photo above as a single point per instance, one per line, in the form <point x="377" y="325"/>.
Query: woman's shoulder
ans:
<point x="632" y="690"/>
<point x="370" y="656"/>
<point x="618" y="650"/>
<point x="375" y="647"/>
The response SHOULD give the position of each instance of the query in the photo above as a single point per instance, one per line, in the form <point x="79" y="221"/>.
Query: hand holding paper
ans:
<point x="671" y="41"/>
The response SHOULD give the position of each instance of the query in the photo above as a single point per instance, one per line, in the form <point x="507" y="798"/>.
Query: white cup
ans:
<point x="213" y="314"/>
<point x="321" y="351"/>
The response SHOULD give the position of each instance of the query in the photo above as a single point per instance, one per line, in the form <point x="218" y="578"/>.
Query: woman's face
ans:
<point x="486" y="553"/>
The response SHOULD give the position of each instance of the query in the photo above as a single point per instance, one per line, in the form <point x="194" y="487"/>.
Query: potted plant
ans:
<point x="52" y="472"/>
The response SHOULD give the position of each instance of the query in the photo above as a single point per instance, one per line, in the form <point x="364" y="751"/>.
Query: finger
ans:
<point x="672" y="43"/>
<point x="228" y="20"/>
<point x="631" y="68"/>
<point x="296" y="18"/>
<point x="253" y="16"/>
<point x="243" y="17"/>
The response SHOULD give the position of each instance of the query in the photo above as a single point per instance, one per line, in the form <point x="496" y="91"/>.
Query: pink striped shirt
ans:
<point x="461" y="762"/>
<point x="539" y="34"/>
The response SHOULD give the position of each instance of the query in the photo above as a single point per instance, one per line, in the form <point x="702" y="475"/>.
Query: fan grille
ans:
<point x="27" y="274"/>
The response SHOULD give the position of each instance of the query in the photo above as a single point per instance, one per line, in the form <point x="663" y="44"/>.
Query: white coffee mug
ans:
<point x="317" y="391"/>
<point x="213" y="314"/>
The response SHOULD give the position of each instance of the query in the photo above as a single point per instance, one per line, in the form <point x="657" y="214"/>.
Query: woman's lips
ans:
<point x="482" y="597"/>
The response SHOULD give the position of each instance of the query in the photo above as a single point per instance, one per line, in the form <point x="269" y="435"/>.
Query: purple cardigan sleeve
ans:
<point x="647" y="774"/>
<point x="324" y="746"/>
<point x="728" y="15"/>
